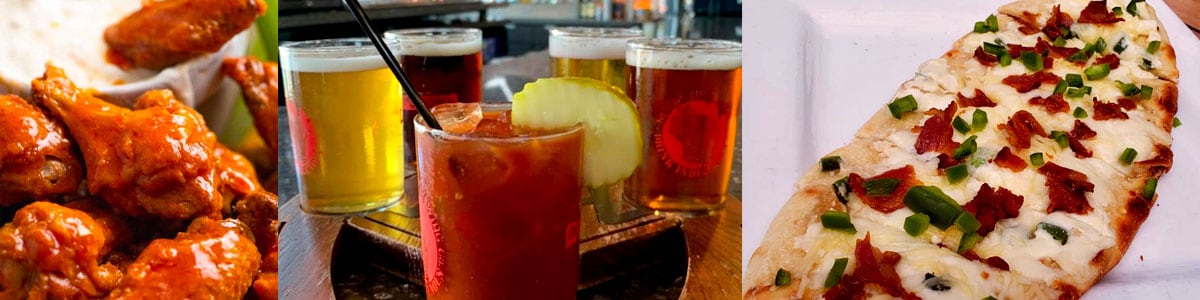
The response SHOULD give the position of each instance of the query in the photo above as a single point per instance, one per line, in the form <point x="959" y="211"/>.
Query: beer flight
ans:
<point x="499" y="186"/>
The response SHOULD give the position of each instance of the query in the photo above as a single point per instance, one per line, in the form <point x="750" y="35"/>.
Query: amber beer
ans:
<point x="597" y="53"/>
<point x="445" y="66"/>
<point x="687" y="93"/>
<point x="342" y="107"/>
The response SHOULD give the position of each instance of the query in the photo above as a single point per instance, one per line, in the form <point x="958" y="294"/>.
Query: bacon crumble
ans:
<point x="1097" y="12"/>
<point x="1021" y="127"/>
<point x="1067" y="189"/>
<point x="1053" y="104"/>
<point x="893" y="201"/>
<point x="979" y="100"/>
<point x="1111" y="59"/>
<point x="992" y="205"/>
<point x="1006" y="159"/>
<point x="873" y="267"/>
<point x="1057" y="21"/>
<point x="1107" y="111"/>
<point x="936" y="133"/>
<point x="1028" y="82"/>
<point x="1127" y="104"/>
<point x="984" y="58"/>
<point x="1082" y="131"/>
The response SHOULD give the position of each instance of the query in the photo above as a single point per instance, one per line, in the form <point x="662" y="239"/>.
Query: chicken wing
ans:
<point x="164" y="33"/>
<point x="212" y="260"/>
<point x="260" y="88"/>
<point x="37" y="160"/>
<point x="157" y="160"/>
<point x="235" y="174"/>
<point x="260" y="212"/>
<point x="52" y="251"/>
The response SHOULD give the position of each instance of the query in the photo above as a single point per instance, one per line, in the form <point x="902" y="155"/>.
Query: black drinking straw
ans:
<point x="361" y="17"/>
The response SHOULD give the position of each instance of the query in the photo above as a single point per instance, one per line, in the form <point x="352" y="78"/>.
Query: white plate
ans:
<point x="816" y="70"/>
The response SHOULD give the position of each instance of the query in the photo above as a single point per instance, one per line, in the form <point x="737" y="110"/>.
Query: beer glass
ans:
<point x="343" y="104"/>
<point x="497" y="200"/>
<point x="445" y="65"/>
<point x="596" y="53"/>
<point x="687" y="93"/>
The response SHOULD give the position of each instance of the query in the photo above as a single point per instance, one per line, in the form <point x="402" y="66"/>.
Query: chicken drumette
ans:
<point x="37" y="159"/>
<point x="158" y="159"/>
<point x="164" y="33"/>
<point x="260" y="88"/>
<point x="52" y="251"/>
<point x="212" y="260"/>
<point x="260" y="212"/>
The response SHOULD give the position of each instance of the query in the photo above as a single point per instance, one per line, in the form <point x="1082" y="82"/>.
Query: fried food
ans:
<point x="52" y="251"/>
<point x="260" y="212"/>
<point x="260" y="88"/>
<point x="37" y="160"/>
<point x="157" y="160"/>
<point x="164" y="33"/>
<point x="212" y="260"/>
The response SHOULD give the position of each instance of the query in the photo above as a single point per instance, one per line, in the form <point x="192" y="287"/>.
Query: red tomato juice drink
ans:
<point x="499" y="206"/>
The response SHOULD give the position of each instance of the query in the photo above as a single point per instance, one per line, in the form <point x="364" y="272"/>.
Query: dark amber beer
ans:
<point x="590" y="52"/>
<point x="445" y="65"/>
<point x="687" y="93"/>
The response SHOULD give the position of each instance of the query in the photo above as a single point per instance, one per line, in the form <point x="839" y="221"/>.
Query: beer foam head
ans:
<point x="437" y="41"/>
<point x="329" y="56"/>
<point x="675" y="54"/>
<point x="590" y="43"/>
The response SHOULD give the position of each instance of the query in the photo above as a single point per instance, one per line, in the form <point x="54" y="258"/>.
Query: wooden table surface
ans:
<point x="713" y="243"/>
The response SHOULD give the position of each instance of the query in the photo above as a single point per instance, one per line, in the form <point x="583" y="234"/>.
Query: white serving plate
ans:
<point x="815" y="71"/>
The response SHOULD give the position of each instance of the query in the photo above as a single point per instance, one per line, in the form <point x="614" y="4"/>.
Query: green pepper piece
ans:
<point x="979" y="120"/>
<point x="1128" y="155"/>
<point x="831" y="163"/>
<point x="783" y="277"/>
<point x="837" y="220"/>
<point x="965" y="149"/>
<point x="930" y="200"/>
<point x="960" y="125"/>
<point x="880" y="186"/>
<point x="968" y="242"/>
<point x="902" y="105"/>
<point x="956" y="173"/>
<point x="1097" y="71"/>
<point x="916" y="224"/>
<point x="1037" y="159"/>
<point x="1056" y="232"/>
<point x="1032" y="61"/>
<point x="1148" y="190"/>
<point x="967" y="222"/>
<point x="835" y="273"/>
<point x="1080" y="113"/>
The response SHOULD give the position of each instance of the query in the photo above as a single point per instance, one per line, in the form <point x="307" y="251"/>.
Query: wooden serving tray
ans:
<point x="711" y="246"/>
<point x="392" y="242"/>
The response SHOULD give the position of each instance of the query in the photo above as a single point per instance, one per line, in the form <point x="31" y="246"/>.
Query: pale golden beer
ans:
<point x="597" y="53"/>
<point x="687" y="93"/>
<point x="344" y="110"/>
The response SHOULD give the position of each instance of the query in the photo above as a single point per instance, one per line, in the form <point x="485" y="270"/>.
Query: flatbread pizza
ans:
<point x="1018" y="165"/>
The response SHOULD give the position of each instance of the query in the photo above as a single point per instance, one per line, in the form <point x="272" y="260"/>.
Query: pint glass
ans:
<point x="687" y="93"/>
<point x="445" y="65"/>
<point x="499" y="208"/>
<point x="343" y="110"/>
<point x="596" y="53"/>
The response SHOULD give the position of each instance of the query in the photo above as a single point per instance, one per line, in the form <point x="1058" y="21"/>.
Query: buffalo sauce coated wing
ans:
<point x="260" y="88"/>
<point x="212" y="260"/>
<point x="260" y="212"/>
<point x="37" y="159"/>
<point x="164" y="33"/>
<point x="157" y="160"/>
<point x="52" y="251"/>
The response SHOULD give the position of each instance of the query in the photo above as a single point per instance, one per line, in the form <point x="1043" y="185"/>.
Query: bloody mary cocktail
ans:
<point x="499" y="207"/>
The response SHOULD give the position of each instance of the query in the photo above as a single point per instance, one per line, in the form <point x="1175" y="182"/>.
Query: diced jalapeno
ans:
<point x="956" y="173"/>
<point x="960" y="125"/>
<point x="783" y="277"/>
<point x="916" y="224"/>
<point x="1128" y="155"/>
<point x="835" y="273"/>
<point x="837" y="220"/>
<point x="902" y="105"/>
<point x="930" y="200"/>
<point x="831" y="163"/>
